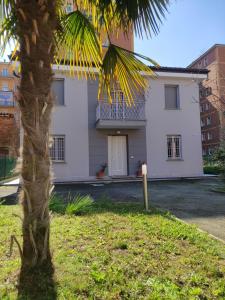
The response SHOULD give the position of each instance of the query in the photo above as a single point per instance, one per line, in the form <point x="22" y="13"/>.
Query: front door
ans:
<point x="117" y="155"/>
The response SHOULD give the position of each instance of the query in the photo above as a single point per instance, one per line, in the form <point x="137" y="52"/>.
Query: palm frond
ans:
<point x="144" y="15"/>
<point x="7" y="25"/>
<point x="78" y="43"/>
<point x="122" y="67"/>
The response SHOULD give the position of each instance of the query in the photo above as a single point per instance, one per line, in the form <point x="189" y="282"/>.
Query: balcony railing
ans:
<point x="119" y="115"/>
<point x="120" y="111"/>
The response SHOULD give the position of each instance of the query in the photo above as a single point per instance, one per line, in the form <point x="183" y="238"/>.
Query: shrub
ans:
<point x="213" y="169"/>
<point x="78" y="204"/>
<point x="56" y="204"/>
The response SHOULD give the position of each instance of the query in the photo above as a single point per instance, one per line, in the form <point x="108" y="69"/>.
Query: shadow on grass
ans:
<point x="37" y="284"/>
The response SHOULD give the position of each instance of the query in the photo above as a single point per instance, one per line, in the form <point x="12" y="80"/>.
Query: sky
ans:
<point x="191" y="27"/>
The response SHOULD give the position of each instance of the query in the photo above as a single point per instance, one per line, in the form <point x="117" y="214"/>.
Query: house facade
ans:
<point x="161" y="129"/>
<point x="212" y="97"/>
<point x="9" y="114"/>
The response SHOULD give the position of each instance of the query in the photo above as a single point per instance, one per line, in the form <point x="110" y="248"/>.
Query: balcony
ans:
<point x="118" y="115"/>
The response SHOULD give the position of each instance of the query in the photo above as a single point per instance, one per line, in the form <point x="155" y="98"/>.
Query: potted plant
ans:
<point x="139" y="169"/>
<point x="101" y="172"/>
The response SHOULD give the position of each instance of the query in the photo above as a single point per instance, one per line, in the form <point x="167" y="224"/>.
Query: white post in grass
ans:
<point x="145" y="186"/>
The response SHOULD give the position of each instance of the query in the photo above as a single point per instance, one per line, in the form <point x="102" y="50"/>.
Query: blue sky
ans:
<point x="190" y="28"/>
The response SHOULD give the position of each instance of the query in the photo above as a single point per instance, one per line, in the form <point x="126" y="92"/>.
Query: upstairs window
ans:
<point x="57" y="149"/>
<point x="5" y="72"/>
<point x="207" y="106"/>
<point x="174" y="147"/>
<point x="208" y="120"/>
<point x="5" y="87"/>
<point x="202" y="122"/>
<point x="209" y="136"/>
<point x="58" y="91"/>
<point x="69" y="8"/>
<point x="172" y="97"/>
<point x="203" y="137"/>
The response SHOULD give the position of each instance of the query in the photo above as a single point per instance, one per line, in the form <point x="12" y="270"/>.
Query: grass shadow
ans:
<point x="37" y="283"/>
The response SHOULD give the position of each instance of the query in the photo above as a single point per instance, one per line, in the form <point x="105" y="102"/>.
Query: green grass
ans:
<point x="116" y="251"/>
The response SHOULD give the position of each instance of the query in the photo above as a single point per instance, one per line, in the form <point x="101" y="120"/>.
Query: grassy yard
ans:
<point x="115" y="251"/>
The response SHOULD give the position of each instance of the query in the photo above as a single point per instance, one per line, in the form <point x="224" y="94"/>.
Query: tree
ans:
<point x="45" y="34"/>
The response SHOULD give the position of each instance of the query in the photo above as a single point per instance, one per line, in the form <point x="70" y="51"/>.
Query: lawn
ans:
<point x="116" y="251"/>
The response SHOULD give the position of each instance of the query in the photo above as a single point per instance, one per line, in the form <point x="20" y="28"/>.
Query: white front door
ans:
<point x="117" y="155"/>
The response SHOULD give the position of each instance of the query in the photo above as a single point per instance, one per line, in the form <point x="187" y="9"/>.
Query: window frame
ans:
<point x="57" y="160"/>
<point x="55" y="96"/>
<point x="177" y="94"/>
<point x="174" y="147"/>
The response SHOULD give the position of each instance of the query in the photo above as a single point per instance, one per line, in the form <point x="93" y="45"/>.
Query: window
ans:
<point x="209" y="136"/>
<point x="171" y="97"/>
<point x="57" y="149"/>
<point x="5" y="86"/>
<point x="203" y="137"/>
<point x="208" y="120"/>
<point x="58" y="91"/>
<point x="4" y="72"/>
<point x="69" y="8"/>
<point x="174" y="146"/>
<point x="202" y="122"/>
<point x="202" y="108"/>
<point x="207" y="106"/>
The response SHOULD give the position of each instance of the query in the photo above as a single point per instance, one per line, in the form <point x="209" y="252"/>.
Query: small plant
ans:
<point x="78" y="204"/>
<point x="56" y="204"/>
<point x="101" y="172"/>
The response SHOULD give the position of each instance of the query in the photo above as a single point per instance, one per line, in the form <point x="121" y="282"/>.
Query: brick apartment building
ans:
<point x="212" y="97"/>
<point x="9" y="115"/>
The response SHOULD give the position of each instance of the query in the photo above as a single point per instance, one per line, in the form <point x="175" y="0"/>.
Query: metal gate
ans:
<point x="7" y="165"/>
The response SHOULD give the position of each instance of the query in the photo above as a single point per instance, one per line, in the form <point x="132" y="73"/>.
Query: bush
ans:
<point x="78" y="204"/>
<point x="213" y="169"/>
<point x="56" y="204"/>
<point x="71" y="205"/>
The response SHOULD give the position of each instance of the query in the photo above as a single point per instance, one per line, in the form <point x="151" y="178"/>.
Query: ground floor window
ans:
<point x="174" y="147"/>
<point x="57" y="149"/>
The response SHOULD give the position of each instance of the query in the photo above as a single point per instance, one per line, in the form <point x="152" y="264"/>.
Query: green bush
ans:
<point x="7" y="165"/>
<point x="56" y="204"/>
<point x="213" y="169"/>
<point x="71" y="205"/>
<point x="78" y="204"/>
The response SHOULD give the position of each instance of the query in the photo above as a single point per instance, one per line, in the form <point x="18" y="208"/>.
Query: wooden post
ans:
<point x="145" y="186"/>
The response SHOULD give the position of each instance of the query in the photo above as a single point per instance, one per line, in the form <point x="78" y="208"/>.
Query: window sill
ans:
<point x="175" y="159"/>
<point x="176" y="109"/>
<point x="58" y="162"/>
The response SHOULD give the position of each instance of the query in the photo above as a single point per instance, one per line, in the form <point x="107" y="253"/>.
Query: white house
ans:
<point x="162" y="129"/>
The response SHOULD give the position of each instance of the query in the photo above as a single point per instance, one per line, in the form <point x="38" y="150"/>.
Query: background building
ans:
<point x="9" y="114"/>
<point x="212" y="97"/>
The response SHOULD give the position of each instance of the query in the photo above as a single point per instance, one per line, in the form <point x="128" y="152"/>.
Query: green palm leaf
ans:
<point x="122" y="67"/>
<point x="78" y="43"/>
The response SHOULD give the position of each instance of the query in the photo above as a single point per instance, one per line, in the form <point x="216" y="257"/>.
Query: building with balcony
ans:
<point x="9" y="114"/>
<point x="162" y="128"/>
<point x="212" y="97"/>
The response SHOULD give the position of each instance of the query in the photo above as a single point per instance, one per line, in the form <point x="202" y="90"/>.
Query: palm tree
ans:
<point x="45" y="34"/>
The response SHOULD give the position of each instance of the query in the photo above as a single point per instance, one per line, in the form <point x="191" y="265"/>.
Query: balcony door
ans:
<point x="118" y="105"/>
<point x="117" y="155"/>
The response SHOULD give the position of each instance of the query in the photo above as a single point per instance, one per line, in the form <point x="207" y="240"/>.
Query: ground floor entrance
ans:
<point x="117" y="155"/>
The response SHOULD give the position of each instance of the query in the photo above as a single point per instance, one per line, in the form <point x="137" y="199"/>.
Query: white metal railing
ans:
<point x="120" y="111"/>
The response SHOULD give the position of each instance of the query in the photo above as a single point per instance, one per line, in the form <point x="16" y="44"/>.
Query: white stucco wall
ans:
<point x="71" y="120"/>
<point x="184" y="122"/>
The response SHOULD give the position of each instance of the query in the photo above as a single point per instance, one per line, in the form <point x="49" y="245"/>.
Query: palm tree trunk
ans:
<point x="36" y="25"/>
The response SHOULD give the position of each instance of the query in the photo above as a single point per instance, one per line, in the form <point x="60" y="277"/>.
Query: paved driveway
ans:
<point x="191" y="200"/>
